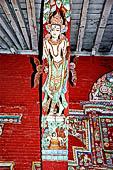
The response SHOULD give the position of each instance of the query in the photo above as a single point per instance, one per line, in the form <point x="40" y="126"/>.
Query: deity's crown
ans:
<point x="57" y="19"/>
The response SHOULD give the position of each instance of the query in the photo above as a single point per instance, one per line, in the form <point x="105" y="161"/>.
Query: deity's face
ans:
<point x="55" y="31"/>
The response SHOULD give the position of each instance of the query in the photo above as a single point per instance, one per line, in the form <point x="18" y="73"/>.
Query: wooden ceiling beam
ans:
<point x="5" y="37"/>
<point x="82" y="25"/>
<point x="103" y="21"/>
<point x="17" y="31"/>
<point x="21" y="21"/>
<point x="111" y="50"/>
<point x="32" y="23"/>
<point x="73" y="53"/>
<point x="3" y="44"/>
<point x="9" y="31"/>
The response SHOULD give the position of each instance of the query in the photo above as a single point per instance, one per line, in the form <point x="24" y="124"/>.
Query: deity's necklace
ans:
<point x="55" y="43"/>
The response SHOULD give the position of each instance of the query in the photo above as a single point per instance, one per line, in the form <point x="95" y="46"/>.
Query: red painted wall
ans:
<point x="21" y="142"/>
<point x="89" y="69"/>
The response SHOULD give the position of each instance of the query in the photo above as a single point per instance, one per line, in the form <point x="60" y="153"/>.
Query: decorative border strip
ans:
<point x="7" y="164"/>
<point x="102" y="110"/>
<point x="96" y="105"/>
<point x="36" y="165"/>
<point x="54" y="158"/>
<point x="55" y="152"/>
<point x="105" y="109"/>
<point x="110" y="151"/>
<point x="99" y="168"/>
<point x="101" y="102"/>
<point x="81" y="150"/>
<point x="10" y="117"/>
<point x="76" y="112"/>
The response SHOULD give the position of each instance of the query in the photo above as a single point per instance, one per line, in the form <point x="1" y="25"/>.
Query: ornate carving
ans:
<point x="73" y="70"/>
<point x="95" y="130"/>
<point x="55" y="54"/>
<point x="39" y="69"/>
<point x="9" y="118"/>
<point x="54" y="138"/>
<point x="36" y="165"/>
<point x="103" y="88"/>
<point x="5" y="164"/>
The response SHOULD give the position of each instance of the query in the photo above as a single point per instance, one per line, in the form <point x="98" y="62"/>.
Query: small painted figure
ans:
<point x="54" y="142"/>
<point x="56" y="53"/>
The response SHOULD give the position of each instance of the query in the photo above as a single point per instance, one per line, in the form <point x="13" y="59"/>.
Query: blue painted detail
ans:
<point x="10" y="118"/>
<point x="55" y="158"/>
<point x="55" y="152"/>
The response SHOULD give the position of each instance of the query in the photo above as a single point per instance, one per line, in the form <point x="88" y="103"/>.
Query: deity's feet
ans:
<point x="61" y="108"/>
<point x="58" y="114"/>
<point x="51" y="114"/>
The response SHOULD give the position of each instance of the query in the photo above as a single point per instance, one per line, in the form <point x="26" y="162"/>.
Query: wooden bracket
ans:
<point x="73" y="70"/>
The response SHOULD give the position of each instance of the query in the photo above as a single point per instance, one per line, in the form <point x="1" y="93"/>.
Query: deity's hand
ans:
<point x="74" y="79"/>
<point x="39" y="69"/>
<point x="36" y="79"/>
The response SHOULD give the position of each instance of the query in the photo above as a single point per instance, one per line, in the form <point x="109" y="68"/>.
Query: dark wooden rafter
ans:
<point x="103" y="21"/>
<point x="111" y="50"/>
<point x="32" y="23"/>
<point x="5" y="37"/>
<point x="21" y="18"/>
<point x="18" y="13"/>
<point x="3" y="44"/>
<point x="10" y="33"/>
<point x="82" y="25"/>
<point x="13" y="23"/>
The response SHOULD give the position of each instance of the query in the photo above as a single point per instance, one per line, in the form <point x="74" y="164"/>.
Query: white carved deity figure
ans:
<point x="56" y="52"/>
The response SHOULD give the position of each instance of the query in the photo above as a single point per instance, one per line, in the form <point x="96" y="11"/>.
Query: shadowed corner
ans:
<point x="40" y="54"/>
<point x="34" y="71"/>
<point x="70" y="78"/>
<point x="40" y="49"/>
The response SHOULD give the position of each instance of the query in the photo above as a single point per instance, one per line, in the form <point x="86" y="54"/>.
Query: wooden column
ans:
<point x="55" y="90"/>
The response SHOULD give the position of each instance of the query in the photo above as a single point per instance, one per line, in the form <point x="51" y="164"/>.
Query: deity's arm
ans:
<point x="40" y="68"/>
<point x="66" y="64"/>
<point x="46" y="55"/>
<point x="66" y="49"/>
<point x="67" y="53"/>
<point x="45" y="49"/>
